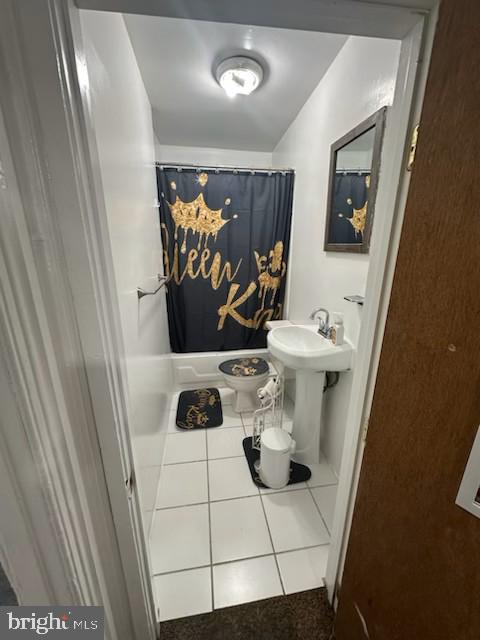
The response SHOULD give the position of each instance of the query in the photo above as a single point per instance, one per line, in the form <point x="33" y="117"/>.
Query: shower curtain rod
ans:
<point x="218" y="169"/>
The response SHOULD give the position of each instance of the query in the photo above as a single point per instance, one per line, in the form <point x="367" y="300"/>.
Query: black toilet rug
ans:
<point x="199" y="408"/>
<point x="298" y="472"/>
<point x="244" y="367"/>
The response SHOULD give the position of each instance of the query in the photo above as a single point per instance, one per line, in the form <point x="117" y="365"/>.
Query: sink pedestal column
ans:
<point x="308" y="415"/>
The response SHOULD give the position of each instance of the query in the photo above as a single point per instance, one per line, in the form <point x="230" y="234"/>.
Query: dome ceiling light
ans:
<point x="239" y="75"/>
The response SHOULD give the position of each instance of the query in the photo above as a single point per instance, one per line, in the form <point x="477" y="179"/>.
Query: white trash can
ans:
<point x="276" y="447"/>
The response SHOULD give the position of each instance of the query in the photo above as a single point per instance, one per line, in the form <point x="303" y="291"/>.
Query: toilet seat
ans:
<point x="244" y="367"/>
<point x="245" y="376"/>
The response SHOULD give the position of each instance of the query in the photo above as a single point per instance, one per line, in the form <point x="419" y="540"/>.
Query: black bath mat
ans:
<point x="298" y="472"/>
<point x="199" y="408"/>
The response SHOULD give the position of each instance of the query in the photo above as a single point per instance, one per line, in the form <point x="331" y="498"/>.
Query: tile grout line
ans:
<point x="269" y="492"/>
<point x="273" y="546"/>
<point x="310" y="546"/>
<point x="212" y="598"/>
<point x="171" y="464"/>
<point x="225" y="562"/>
<point x="320" y="513"/>
<point x="248" y="495"/>
<point x="239" y="497"/>
<point x="197" y="504"/>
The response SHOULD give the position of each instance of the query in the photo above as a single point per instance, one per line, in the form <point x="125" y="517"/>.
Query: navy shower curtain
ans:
<point x="225" y="237"/>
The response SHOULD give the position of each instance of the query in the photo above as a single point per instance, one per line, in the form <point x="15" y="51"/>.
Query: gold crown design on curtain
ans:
<point x="197" y="217"/>
<point x="270" y="276"/>
<point x="202" y="179"/>
<point x="359" y="216"/>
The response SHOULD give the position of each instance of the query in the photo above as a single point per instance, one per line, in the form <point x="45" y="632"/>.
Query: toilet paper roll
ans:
<point x="268" y="391"/>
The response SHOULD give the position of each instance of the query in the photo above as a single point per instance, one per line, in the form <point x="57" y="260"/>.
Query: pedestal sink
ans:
<point x="302" y="348"/>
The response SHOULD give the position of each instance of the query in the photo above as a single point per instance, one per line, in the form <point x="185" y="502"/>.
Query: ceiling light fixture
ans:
<point x="239" y="75"/>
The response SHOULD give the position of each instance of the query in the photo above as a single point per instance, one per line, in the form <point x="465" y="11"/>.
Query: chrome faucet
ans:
<point x="323" y="322"/>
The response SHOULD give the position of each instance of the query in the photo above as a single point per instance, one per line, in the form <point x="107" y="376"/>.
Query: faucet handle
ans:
<point x="323" y="320"/>
<point x="316" y="311"/>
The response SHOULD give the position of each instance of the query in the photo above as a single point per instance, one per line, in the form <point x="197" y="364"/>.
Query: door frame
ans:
<point x="76" y="261"/>
<point x="392" y="193"/>
<point x="393" y="187"/>
<point x="64" y="378"/>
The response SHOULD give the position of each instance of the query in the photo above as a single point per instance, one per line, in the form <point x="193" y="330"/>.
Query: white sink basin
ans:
<point x="300" y="347"/>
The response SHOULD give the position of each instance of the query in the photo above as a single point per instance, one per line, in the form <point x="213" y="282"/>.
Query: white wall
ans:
<point x="212" y="157"/>
<point x="123" y="126"/>
<point x="360" y="80"/>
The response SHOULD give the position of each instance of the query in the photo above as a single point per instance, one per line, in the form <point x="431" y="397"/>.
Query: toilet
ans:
<point x="245" y="376"/>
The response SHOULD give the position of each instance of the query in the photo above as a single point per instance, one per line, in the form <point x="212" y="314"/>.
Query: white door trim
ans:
<point x="59" y="327"/>
<point x="46" y="435"/>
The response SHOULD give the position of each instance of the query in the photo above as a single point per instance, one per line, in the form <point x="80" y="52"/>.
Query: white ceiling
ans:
<point x="176" y="58"/>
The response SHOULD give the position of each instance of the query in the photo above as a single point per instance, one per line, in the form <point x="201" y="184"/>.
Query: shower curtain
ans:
<point x="349" y="206"/>
<point x="225" y="237"/>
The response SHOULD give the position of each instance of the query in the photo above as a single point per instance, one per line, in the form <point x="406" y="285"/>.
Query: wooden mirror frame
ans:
<point x="377" y="121"/>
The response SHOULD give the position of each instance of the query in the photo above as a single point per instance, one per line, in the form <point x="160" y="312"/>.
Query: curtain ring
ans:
<point x="235" y="172"/>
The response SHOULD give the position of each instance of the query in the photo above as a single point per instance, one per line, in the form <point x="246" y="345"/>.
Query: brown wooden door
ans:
<point x="413" y="562"/>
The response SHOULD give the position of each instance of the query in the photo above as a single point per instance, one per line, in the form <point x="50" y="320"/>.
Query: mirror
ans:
<point x="354" y="168"/>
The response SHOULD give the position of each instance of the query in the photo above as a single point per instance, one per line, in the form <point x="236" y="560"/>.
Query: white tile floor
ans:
<point x="216" y="539"/>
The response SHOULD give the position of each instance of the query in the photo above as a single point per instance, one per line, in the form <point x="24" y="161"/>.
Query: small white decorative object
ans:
<point x="274" y="443"/>
<point x="337" y="330"/>
<point x="270" y="413"/>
